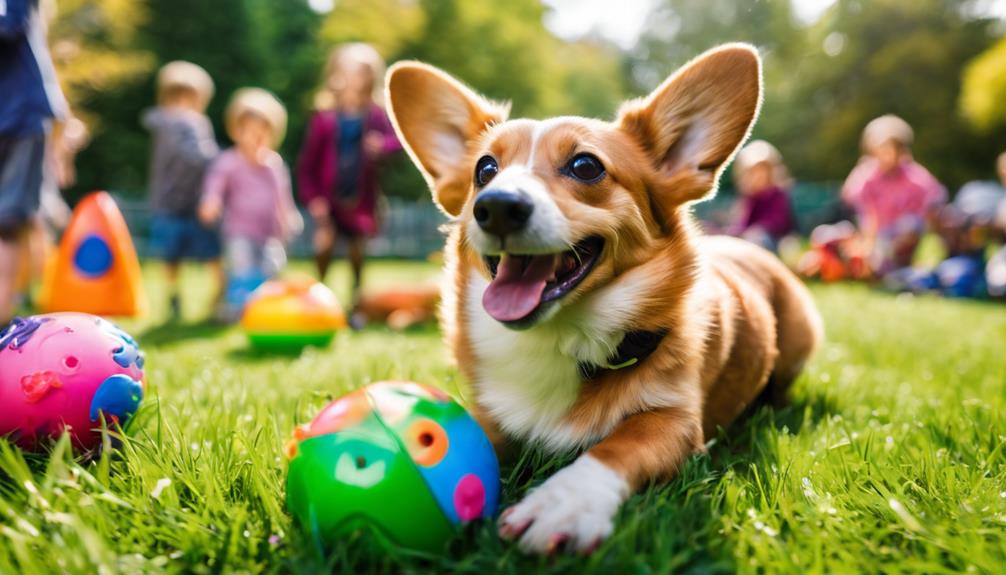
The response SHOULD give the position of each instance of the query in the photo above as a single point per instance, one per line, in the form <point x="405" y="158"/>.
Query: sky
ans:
<point x="620" y="22"/>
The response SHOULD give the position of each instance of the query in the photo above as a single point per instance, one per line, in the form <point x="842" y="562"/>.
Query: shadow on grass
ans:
<point x="173" y="332"/>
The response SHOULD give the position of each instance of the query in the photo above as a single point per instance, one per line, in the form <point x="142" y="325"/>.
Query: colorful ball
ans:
<point x="67" y="371"/>
<point x="292" y="314"/>
<point x="399" y="457"/>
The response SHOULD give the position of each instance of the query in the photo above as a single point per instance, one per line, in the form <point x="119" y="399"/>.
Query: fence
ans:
<point x="409" y="230"/>
<point x="412" y="229"/>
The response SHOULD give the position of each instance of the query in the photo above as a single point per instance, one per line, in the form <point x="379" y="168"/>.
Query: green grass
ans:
<point x="890" y="459"/>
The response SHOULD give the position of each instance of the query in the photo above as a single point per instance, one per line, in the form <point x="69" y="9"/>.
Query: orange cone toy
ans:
<point x="96" y="269"/>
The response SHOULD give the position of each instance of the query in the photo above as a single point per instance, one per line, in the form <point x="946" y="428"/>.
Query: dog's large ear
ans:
<point x="693" y="123"/>
<point x="438" y="118"/>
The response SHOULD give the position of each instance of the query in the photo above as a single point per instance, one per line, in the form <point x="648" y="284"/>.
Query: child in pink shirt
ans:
<point x="248" y="188"/>
<point x="893" y="196"/>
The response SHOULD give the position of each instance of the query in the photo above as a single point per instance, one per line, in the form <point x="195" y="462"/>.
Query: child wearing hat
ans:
<point x="892" y="195"/>
<point x="764" y="215"/>
<point x="339" y="166"/>
<point x="183" y="147"/>
<point x="248" y="188"/>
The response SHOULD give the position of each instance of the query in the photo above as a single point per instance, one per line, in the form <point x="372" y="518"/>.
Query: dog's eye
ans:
<point x="485" y="170"/>
<point x="586" y="168"/>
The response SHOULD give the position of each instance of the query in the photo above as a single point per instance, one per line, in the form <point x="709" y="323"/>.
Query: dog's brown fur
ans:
<point x="736" y="318"/>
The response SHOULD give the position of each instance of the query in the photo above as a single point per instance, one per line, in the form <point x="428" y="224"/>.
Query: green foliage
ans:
<point x="281" y="45"/>
<point x="94" y="49"/>
<point x="386" y="24"/>
<point x="824" y="82"/>
<point x="889" y="460"/>
<point x="266" y="43"/>
<point x="984" y="89"/>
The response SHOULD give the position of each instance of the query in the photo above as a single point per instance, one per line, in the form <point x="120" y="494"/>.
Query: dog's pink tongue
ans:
<point x="516" y="291"/>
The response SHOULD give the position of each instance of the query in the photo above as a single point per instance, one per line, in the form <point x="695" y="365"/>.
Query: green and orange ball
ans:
<point x="397" y="458"/>
<point x="290" y="314"/>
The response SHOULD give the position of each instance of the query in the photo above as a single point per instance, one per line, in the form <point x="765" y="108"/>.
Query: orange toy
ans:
<point x="401" y="307"/>
<point x="95" y="270"/>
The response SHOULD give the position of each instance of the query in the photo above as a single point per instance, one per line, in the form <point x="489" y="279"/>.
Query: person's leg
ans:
<point x="205" y="247"/>
<point x="21" y="164"/>
<point x="216" y="268"/>
<point x="11" y="252"/>
<point x="171" y="272"/>
<point x="324" y="247"/>
<point x="273" y="258"/>
<point x="166" y="242"/>
<point x="242" y="256"/>
<point x="357" y="248"/>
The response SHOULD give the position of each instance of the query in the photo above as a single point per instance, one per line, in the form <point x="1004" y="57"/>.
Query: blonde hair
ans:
<point x="359" y="53"/>
<point x="885" y="129"/>
<point x="184" y="75"/>
<point x="261" y="104"/>
<point x="758" y="152"/>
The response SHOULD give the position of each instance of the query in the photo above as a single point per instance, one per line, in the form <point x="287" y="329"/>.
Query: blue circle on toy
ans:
<point x="93" y="257"/>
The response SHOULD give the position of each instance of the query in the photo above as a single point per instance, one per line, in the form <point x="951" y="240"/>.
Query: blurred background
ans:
<point x="830" y="66"/>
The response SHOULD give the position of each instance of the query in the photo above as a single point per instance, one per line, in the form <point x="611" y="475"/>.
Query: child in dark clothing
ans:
<point x="764" y="214"/>
<point x="338" y="165"/>
<point x="183" y="147"/>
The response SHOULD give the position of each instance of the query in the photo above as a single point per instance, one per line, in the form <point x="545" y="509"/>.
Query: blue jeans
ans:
<point x="177" y="238"/>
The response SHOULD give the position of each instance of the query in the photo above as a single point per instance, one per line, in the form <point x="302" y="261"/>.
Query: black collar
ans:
<point x="636" y="346"/>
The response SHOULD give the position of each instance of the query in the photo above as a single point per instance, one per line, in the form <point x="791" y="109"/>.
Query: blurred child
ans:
<point x="968" y="228"/>
<point x="248" y="187"/>
<point x="183" y="147"/>
<point x="764" y="213"/>
<point x="893" y="196"/>
<point x="339" y="162"/>
<point x="995" y="271"/>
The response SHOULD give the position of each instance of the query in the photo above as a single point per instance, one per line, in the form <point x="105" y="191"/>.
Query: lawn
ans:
<point x="890" y="459"/>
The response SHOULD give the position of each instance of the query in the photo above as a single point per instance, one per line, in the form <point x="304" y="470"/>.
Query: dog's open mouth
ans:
<point x="523" y="283"/>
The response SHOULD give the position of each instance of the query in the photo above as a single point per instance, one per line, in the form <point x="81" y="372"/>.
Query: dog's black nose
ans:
<point x="501" y="212"/>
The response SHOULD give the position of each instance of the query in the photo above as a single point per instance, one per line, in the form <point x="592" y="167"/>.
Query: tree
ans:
<point x="93" y="48"/>
<point x="266" y="43"/>
<point x="983" y="93"/>
<point x="825" y="81"/>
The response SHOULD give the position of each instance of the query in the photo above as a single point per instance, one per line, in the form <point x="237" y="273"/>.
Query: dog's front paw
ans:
<point x="572" y="510"/>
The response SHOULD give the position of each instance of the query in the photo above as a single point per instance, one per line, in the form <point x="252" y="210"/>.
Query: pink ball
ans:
<point x="64" y="371"/>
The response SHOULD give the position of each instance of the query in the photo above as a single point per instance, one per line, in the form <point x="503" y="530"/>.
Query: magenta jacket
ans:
<point x="318" y="162"/>
<point x="770" y="210"/>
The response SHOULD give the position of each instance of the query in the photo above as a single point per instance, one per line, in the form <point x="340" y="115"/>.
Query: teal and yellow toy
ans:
<point x="399" y="457"/>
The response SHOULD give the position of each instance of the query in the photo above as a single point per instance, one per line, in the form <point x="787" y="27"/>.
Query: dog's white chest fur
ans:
<point x="528" y="380"/>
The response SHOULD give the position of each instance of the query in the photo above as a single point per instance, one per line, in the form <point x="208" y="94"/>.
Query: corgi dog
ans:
<point x="581" y="302"/>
